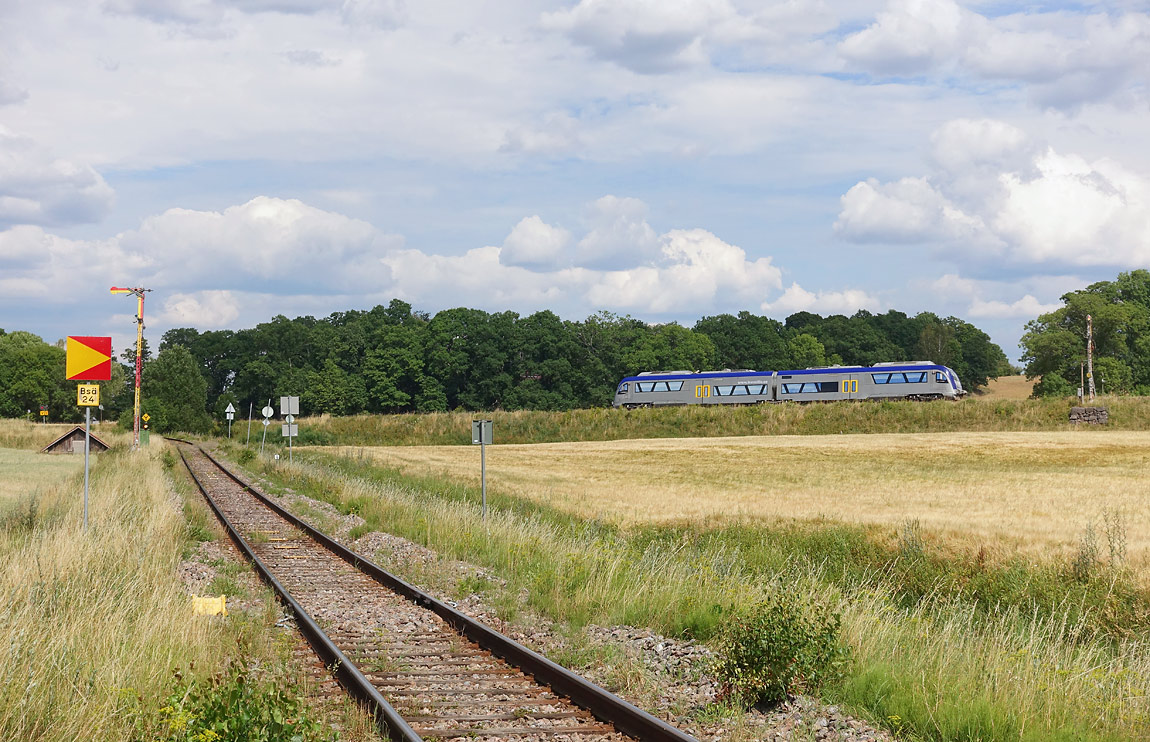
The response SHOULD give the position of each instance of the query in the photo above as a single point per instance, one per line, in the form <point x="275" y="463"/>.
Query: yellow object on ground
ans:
<point x="209" y="605"/>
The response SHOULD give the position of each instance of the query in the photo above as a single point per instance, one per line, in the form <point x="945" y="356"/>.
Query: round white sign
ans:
<point x="268" y="411"/>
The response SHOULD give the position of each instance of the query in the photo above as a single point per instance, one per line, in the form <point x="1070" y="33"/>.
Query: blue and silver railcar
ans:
<point x="915" y="380"/>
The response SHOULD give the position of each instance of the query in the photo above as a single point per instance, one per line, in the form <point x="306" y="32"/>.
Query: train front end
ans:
<point x="622" y="393"/>
<point x="955" y="390"/>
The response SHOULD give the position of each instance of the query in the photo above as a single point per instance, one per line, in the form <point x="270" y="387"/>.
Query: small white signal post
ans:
<point x="231" y="413"/>
<point x="481" y="436"/>
<point x="289" y="408"/>
<point x="267" y="412"/>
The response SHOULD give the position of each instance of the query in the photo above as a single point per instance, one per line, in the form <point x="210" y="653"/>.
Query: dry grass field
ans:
<point x="24" y="472"/>
<point x="1008" y="387"/>
<point x="1036" y="492"/>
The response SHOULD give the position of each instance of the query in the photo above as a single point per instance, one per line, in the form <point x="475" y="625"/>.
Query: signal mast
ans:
<point x="139" y="294"/>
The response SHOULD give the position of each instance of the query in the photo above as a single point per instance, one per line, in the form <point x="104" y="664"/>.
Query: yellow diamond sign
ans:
<point x="145" y="417"/>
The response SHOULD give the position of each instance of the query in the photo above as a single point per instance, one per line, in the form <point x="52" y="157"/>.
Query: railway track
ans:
<point x="425" y="670"/>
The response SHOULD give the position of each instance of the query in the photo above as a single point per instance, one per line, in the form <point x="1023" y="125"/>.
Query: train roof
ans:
<point x="878" y="367"/>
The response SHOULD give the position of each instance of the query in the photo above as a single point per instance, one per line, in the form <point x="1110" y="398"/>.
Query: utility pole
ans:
<point x="1090" y="355"/>
<point x="139" y="294"/>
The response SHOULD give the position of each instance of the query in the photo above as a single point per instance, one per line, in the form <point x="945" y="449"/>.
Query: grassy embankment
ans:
<point x="946" y="646"/>
<point x="969" y="415"/>
<point x="94" y="623"/>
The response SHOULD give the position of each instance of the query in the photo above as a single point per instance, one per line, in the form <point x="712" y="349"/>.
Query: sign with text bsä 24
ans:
<point x="88" y="395"/>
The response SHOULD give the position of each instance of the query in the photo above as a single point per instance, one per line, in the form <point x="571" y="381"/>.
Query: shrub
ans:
<point x="781" y="646"/>
<point x="231" y="705"/>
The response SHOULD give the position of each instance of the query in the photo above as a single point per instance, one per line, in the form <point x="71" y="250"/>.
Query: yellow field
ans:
<point x="1034" y="491"/>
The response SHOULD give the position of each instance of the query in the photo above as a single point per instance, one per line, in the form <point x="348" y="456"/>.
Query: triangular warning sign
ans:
<point x="89" y="358"/>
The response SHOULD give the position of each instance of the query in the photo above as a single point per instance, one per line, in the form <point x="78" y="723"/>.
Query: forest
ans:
<point x="392" y="359"/>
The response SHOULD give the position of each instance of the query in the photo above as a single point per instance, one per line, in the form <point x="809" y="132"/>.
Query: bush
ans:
<point x="232" y="706"/>
<point x="782" y="646"/>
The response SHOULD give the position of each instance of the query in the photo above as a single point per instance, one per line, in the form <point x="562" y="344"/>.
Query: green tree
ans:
<point x="938" y="342"/>
<point x="32" y="373"/>
<point x="333" y="390"/>
<point x="1054" y="344"/>
<point x="805" y="351"/>
<point x="174" y="393"/>
<point x="746" y="341"/>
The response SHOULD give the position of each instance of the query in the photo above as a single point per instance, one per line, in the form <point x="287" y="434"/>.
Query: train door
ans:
<point x="849" y="386"/>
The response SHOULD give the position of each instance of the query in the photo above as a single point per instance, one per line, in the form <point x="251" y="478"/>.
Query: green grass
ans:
<point x="972" y="414"/>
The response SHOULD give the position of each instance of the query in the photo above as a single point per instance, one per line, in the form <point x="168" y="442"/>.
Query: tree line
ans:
<point x="392" y="359"/>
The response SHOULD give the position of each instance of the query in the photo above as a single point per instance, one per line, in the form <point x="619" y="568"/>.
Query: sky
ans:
<point x="664" y="159"/>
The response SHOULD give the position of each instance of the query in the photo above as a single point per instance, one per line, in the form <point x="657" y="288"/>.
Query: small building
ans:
<point x="73" y="442"/>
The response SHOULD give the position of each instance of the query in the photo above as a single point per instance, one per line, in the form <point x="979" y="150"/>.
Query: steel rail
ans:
<point x="601" y="703"/>
<point x="345" y="671"/>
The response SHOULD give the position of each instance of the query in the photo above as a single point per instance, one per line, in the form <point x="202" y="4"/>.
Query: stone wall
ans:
<point x="1090" y="415"/>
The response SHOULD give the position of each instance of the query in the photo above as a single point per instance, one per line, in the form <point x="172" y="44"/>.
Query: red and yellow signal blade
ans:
<point x="88" y="358"/>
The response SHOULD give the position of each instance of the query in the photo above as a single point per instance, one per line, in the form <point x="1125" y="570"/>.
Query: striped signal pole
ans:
<point x="139" y="294"/>
<point x="1090" y="354"/>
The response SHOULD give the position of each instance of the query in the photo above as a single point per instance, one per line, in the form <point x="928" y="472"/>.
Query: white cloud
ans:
<point x="189" y="12"/>
<point x="197" y="16"/>
<point x="1025" y="308"/>
<point x="383" y="14"/>
<point x="909" y="37"/>
<point x="38" y="188"/>
<point x="798" y="299"/>
<point x="643" y="35"/>
<point x="533" y="243"/>
<point x="1069" y="60"/>
<point x="997" y="194"/>
<point x="203" y="310"/>
<point x="909" y="210"/>
<point x="267" y="244"/>
<point x="973" y="294"/>
<point x="697" y="269"/>
<point x="1064" y="59"/>
<point x="619" y="236"/>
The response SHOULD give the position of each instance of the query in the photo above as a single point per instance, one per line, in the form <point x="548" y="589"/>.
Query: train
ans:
<point x="913" y="380"/>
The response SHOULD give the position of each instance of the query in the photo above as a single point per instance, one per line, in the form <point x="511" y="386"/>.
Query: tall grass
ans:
<point x="454" y="428"/>
<point x="942" y="668"/>
<point x="27" y="435"/>
<point x="93" y="621"/>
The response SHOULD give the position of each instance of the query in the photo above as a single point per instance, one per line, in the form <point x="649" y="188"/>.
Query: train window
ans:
<point x="739" y="391"/>
<point x="661" y="386"/>
<point x="915" y="377"/>
<point x="755" y="388"/>
<point x="623" y="389"/>
<point x="723" y="391"/>
<point x="897" y="379"/>
<point x="940" y="377"/>
<point x="645" y="386"/>
<point x="675" y="386"/>
<point x="880" y="378"/>
<point x="828" y="386"/>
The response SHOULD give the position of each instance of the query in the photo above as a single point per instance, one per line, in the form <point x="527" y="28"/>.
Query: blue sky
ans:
<point x="668" y="160"/>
